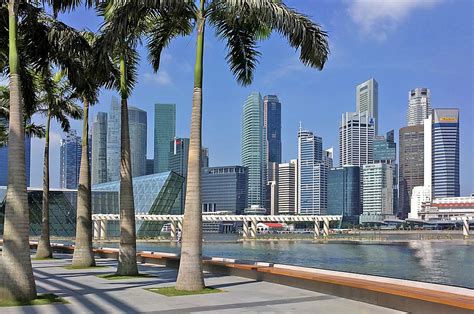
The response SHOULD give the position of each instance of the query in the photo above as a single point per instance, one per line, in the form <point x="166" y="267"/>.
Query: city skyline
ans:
<point x="316" y="98"/>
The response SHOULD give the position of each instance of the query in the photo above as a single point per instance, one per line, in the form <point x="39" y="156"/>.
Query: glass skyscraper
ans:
<point x="378" y="192"/>
<point x="178" y="162"/>
<point x="385" y="148"/>
<point x="164" y="133"/>
<point x="272" y="125"/>
<point x="367" y="100"/>
<point x="70" y="160"/>
<point x="344" y="193"/>
<point x="113" y="141"/>
<point x="254" y="148"/>
<point x="99" y="148"/>
<point x="445" y="153"/>
<point x="4" y="159"/>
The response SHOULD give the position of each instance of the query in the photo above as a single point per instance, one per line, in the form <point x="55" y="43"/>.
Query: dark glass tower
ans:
<point x="344" y="193"/>
<point x="272" y="125"/>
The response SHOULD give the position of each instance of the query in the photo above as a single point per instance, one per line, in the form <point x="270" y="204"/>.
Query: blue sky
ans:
<point x="403" y="44"/>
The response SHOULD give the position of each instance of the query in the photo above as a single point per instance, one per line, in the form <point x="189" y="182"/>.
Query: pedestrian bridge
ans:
<point x="249" y="222"/>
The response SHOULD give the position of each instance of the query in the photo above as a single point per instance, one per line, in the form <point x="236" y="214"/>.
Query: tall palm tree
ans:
<point x="138" y="19"/>
<point x="57" y="100"/>
<point x="240" y="23"/>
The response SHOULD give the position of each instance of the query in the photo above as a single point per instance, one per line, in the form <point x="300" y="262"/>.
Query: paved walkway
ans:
<point x="87" y="293"/>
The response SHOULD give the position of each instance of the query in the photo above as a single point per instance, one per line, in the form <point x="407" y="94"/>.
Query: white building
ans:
<point x="287" y="187"/>
<point x="420" y="195"/>
<point x="419" y="106"/>
<point x="367" y="100"/>
<point x="356" y="137"/>
<point x="448" y="208"/>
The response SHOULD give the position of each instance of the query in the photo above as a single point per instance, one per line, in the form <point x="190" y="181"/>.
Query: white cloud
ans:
<point x="377" y="18"/>
<point x="160" y="78"/>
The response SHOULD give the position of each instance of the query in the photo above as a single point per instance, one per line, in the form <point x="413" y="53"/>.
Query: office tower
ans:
<point x="445" y="153"/>
<point x="287" y="188"/>
<point x="385" y="148"/>
<point x="178" y="162"/>
<point x="150" y="166"/>
<point x="328" y="157"/>
<point x="411" y="160"/>
<point x="204" y="157"/>
<point x="312" y="174"/>
<point x="271" y="189"/>
<point x="224" y="189"/>
<point x="99" y="149"/>
<point x="367" y="100"/>
<point x="165" y="132"/>
<point x="377" y="192"/>
<point x="254" y="148"/>
<point x="272" y="125"/>
<point x="356" y="136"/>
<point x="419" y="106"/>
<point x="4" y="158"/>
<point x="70" y="160"/>
<point x="344" y="193"/>
<point x="137" y="124"/>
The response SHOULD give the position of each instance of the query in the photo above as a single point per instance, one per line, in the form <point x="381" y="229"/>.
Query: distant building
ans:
<point x="385" y="148"/>
<point x="328" y="157"/>
<point x="271" y="192"/>
<point x="272" y="125"/>
<point x="178" y="162"/>
<point x="411" y="169"/>
<point x="99" y="149"/>
<point x="4" y="159"/>
<point x="150" y="166"/>
<point x="287" y="188"/>
<point x="447" y="208"/>
<point x="420" y="195"/>
<point x="204" y="157"/>
<point x="344" y="193"/>
<point x="113" y="141"/>
<point x="356" y="136"/>
<point x="70" y="160"/>
<point x="312" y="174"/>
<point x="254" y="148"/>
<point x="367" y="100"/>
<point x="224" y="189"/>
<point x="165" y="132"/>
<point x="419" y="106"/>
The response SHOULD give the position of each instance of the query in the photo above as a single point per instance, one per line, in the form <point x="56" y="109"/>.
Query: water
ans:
<point x="443" y="262"/>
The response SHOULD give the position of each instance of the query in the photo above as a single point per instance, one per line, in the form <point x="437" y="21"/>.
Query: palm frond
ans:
<point x="34" y="130"/>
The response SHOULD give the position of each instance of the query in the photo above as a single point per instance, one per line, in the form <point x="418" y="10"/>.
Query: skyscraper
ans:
<point x="356" y="136"/>
<point x="137" y="123"/>
<point x="385" y="148"/>
<point x="344" y="193"/>
<point x="445" y="153"/>
<point x="272" y="125"/>
<point x="287" y="191"/>
<point x="411" y="139"/>
<point x="254" y="148"/>
<point x="113" y="141"/>
<point x="419" y="106"/>
<point x="377" y="192"/>
<point x="70" y="160"/>
<point x="178" y="162"/>
<point x="4" y="158"/>
<point x="165" y="131"/>
<point x="367" y="100"/>
<point x="99" y="149"/>
<point x="312" y="174"/>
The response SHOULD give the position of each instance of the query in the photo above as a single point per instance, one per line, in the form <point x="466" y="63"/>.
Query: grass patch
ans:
<point x="84" y="267"/>
<point x="42" y="299"/>
<point x="172" y="292"/>
<point x="118" y="277"/>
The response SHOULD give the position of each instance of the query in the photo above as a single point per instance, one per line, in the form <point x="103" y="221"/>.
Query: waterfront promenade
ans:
<point x="87" y="293"/>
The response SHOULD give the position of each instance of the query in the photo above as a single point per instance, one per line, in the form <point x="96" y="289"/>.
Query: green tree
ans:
<point x="57" y="100"/>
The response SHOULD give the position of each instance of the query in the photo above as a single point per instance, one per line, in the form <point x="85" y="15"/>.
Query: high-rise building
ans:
<point x="99" y="149"/>
<point x="328" y="157"/>
<point x="312" y="174"/>
<point x="344" y="193"/>
<point x="445" y="153"/>
<point x="224" y="189"/>
<point x="272" y="125"/>
<point x="356" y="136"/>
<point x="377" y="192"/>
<point x="165" y="132"/>
<point x="287" y="185"/>
<point x="137" y="124"/>
<point x="419" y="106"/>
<point x="254" y="148"/>
<point x="367" y="100"/>
<point x="4" y="158"/>
<point x="178" y="162"/>
<point x="271" y="192"/>
<point x="385" y="148"/>
<point x="411" y="169"/>
<point x="150" y="166"/>
<point x="70" y="160"/>
<point x="204" y="157"/>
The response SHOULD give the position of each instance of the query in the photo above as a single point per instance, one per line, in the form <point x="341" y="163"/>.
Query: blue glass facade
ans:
<point x="70" y="160"/>
<point x="344" y="192"/>
<point x="385" y="148"/>
<point x="272" y="125"/>
<point x="445" y="149"/>
<point x="165" y="131"/>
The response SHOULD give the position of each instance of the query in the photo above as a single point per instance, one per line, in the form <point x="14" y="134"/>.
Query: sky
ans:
<point x="403" y="44"/>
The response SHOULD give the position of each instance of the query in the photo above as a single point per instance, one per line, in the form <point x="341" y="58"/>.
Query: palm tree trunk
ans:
<point x="127" y="262"/>
<point x="190" y="275"/>
<point x="83" y="254"/>
<point x="16" y="277"/>
<point x="44" y="246"/>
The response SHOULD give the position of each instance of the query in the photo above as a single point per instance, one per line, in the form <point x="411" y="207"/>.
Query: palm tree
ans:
<point x="240" y="23"/>
<point x="58" y="103"/>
